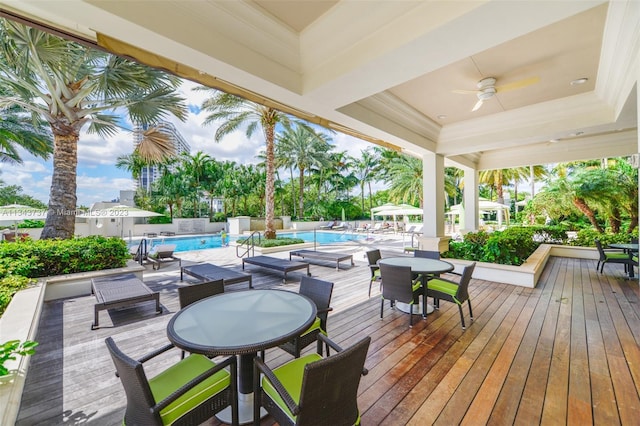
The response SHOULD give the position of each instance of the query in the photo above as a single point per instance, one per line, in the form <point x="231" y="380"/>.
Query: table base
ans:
<point x="417" y="309"/>
<point x="245" y="410"/>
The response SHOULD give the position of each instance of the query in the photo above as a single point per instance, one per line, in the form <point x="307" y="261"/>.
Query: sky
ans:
<point x="99" y="179"/>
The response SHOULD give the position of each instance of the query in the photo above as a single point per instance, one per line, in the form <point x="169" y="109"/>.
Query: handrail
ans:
<point x="249" y="243"/>
<point x="142" y="251"/>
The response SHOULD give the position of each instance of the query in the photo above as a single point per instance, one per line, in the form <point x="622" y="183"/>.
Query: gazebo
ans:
<point x="485" y="207"/>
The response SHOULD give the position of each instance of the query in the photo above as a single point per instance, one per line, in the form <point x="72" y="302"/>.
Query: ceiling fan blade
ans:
<point x="517" y="84"/>
<point x="465" y="92"/>
<point x="477" y="105"/>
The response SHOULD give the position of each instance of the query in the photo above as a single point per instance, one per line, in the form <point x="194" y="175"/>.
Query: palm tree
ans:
<point x="236" y="112"/>
<point x="19" y="129"/>
<point x="404" y="175"/>
<point x="364" y="167"/>
<point x="72" y="86"/>
<point x="194" y="167"/>
<point x="132" y="163"/>
<point x="211" y="181"/>
<point x="304" y="148"/>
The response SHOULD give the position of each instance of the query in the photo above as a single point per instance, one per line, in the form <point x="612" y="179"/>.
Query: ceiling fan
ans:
<point x="487" y="89"/>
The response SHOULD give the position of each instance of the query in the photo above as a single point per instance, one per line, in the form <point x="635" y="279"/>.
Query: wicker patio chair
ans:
<point x="617" y="256"/>
<point x="187" y="393"/>
<point x="451" y="291"/>
<point x="398" y="285"/>
<point x="312" y="390"/>
<point x="319" y="292"/>
<point x="194" y="292"/>
<point x="373" y="256"/>
<point x="429" y="254"/>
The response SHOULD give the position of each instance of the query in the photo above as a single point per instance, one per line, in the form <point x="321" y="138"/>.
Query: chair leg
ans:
<point x="370" y="284"/>
<point x="381" y="307"/>
<point x="470" y="311"/>
<point x="462" y="317"/>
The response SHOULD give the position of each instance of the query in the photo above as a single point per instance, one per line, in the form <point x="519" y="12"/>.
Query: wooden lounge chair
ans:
<point x="322" y="255"/>
<point x="119" y="291"/>
<point x="162" y="253"/>
<point x="282" y="265"/>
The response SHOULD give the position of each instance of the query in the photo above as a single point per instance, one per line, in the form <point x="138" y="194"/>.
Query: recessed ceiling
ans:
<point x="296" y="14"/>
<point x="556" y="54"/>
<point x="388" y="69"/>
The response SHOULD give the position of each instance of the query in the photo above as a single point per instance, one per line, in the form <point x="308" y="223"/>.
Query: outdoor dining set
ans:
<point x="223" y="337"/>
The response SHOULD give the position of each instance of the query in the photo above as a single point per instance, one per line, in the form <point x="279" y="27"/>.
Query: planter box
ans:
<point x="20" y="322"/>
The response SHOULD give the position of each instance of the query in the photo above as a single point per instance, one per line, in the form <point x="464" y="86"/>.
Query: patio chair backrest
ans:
<point x="136" y="388"/>
<point x="463" y="286"/>
<point x="319" y="292"/>
<point x="373" y="256"/>
<point x="397" y="283"/>
<point x="330" y="387"/>
<point x="194" y="292"/>
<point x="603" y="256"/>
<point x="427" y="254"/>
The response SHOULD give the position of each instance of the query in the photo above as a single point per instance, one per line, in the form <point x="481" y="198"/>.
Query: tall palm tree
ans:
<point x="364" y="168"/>
<point x="72" y="86"/>
<point x="235" y="112"/>
<point x="304" y="148"/>
<point x="194" y="167"/>
<point x="132" y="163"/>
<point x="404" y="174"/>
<point x="18" y="128"/>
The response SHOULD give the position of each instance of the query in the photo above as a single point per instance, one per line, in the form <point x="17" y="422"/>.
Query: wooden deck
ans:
<point x="566" y="352"/>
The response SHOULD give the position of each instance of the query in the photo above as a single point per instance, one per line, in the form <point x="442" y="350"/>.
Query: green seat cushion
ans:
<point x="376" y="274"/>
<point x="290" y="375"/>
<point x="314" y="326"/>
<point x="165" y="383"/>
<point x="442" y="286"/>
<point x="616" y="256"/>
<point x="415" y="284"/>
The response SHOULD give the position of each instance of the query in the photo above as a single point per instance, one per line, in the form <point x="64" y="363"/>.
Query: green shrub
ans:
<point x="509" y="247"/>
<point x="9" y="286"/>
<point x="28" y="223"/>
<point x="41" y="258"/>
<point x="159" y="220"/>
<point x="586" y="237"/>
<point x="264" y="242"/>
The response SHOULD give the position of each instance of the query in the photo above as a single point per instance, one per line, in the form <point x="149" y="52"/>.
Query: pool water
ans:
<point x="201" y="242"/>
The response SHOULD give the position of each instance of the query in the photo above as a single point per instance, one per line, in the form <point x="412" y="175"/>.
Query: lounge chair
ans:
<point x="162" y="253"/>
<point x="328" y="225"/>
<point x="340" y="226"/>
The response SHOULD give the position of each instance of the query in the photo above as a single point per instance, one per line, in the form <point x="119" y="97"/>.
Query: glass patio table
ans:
<point x="419" y="265"/>
<point x="241" y="323"/>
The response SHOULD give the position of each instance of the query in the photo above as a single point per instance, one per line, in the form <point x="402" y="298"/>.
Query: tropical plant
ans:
<point x="235" y="112"/>
<point x="302" y="148"/>
<point x="364" y="172"/>
<point x="72" y="86"/>
<point x="18" y="128"/>
<point x="9" y="350"/>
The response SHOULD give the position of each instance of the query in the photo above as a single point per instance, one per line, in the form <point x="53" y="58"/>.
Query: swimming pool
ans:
<point x="201" y="242"/>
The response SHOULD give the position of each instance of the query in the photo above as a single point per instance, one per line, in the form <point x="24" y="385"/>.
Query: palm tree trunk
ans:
<point x="61" y="218"/>
<point x="301" y="194"/>
<point x="584" y="208"/>
<point x="270" y="230"/>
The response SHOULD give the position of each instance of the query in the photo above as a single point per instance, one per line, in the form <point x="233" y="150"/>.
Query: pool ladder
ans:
<point x="248" y="245"/>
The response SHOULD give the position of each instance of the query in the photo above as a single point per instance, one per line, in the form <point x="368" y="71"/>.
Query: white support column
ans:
<point x="433" y="197"/>
<point x="470" y="197"/>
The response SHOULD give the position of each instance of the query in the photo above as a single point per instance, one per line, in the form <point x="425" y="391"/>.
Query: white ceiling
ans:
<point x="387" y="69"/>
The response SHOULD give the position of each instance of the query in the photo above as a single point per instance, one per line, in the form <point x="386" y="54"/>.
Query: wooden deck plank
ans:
<point x="571" y="339"/>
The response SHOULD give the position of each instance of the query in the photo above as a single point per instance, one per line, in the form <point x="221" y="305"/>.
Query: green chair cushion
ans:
<point x="616" y="256"/>
<point x="376" y="274"/>
<point x="445" y="287"/>
<point x="165" y="383"/>
<point x="315" y="326"/>
<point x="415" y="284"/>
<point x="290" y="375"/>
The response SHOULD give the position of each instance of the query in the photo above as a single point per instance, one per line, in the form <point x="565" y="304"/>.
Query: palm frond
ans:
<point x="155" y="146"/>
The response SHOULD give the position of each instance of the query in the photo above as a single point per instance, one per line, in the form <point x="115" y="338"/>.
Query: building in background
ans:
<point x="150" y="174"/>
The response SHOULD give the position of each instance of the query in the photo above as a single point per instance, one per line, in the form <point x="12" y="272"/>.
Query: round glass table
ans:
<point x="419" y="265"/>
<point x="241" y="323"/>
